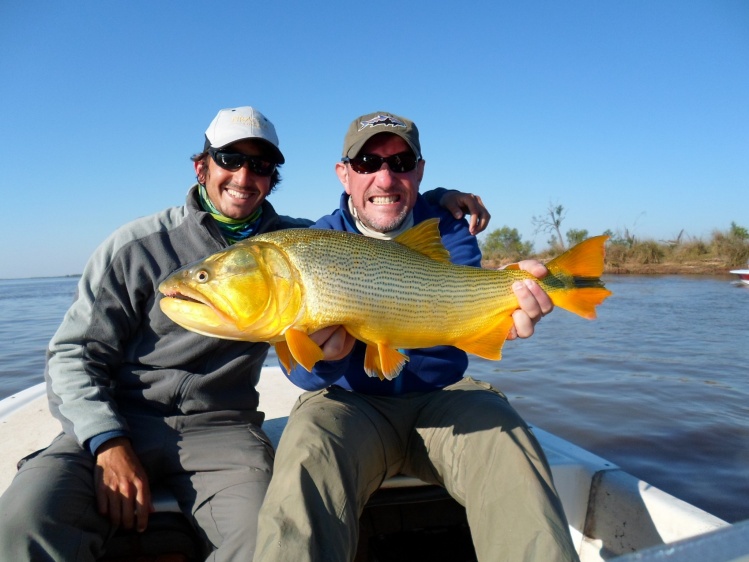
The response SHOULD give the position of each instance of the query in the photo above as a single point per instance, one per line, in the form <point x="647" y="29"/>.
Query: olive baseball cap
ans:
<point x="241" y="123"/>
<point x="365" y="127"/>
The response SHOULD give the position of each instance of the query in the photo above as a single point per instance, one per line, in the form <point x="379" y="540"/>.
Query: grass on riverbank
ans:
<point x="626" y="254"/>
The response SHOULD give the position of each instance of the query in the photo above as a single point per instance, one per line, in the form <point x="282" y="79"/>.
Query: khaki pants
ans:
<point x="339" y="446"/>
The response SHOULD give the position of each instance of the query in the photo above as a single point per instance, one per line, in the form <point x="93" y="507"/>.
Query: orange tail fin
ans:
<point x="584" y="260"/>
<point x="582" y="302"/>
<point x="584" y="264"/>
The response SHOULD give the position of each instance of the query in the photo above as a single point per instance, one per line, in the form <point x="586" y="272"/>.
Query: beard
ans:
<point x="382" y="224"/>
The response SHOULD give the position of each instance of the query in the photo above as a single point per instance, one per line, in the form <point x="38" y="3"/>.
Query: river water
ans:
<point x="658" y="384"/>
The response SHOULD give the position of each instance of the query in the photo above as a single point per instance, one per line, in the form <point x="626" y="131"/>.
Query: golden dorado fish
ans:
<point x="400" y="294"/>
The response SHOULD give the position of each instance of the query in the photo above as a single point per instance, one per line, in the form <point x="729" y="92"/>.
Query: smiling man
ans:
<point x="144" y="402"/>
<point x="236" y="172"/>
<point x="382" y="202"/>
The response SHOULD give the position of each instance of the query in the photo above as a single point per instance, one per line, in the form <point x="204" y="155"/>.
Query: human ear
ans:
<point x="200" y="171"/>
<point x="342" y="172"/>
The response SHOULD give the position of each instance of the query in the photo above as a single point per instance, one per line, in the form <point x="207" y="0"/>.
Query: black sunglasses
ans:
<point x="371" y="163"/>
<point x="232" y="161"/>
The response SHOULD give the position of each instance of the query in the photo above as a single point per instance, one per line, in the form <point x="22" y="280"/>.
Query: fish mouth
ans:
<point x="193" y="311"/>
<point x="184" y="308"/>
<point x="174" y="294"/>
<point x="199" y="316"/>
<point x="181" y="292"/>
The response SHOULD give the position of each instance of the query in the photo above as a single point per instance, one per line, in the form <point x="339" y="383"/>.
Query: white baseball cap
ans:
<point x="240" y="123"/>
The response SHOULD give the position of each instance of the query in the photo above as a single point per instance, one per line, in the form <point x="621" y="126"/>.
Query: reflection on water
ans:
<point x="657" y="384"/>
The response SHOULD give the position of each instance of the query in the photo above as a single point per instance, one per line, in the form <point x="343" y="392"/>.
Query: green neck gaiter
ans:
<point x="233" y="230"/>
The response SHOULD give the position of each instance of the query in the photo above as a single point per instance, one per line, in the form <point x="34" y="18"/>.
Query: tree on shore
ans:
<point x="625" y="253"/>
<point x="734" y="244"/>
<point x="505" y="244"/>
<point x="551" y="222"/>
<point x="575" y="236"/>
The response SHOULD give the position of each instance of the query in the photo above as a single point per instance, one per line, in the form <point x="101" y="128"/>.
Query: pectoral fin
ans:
<point x="489" y="344"/>
<point x="284" y="356"/>
<point x="383" y="362"/>
<point x="302" y="349"/>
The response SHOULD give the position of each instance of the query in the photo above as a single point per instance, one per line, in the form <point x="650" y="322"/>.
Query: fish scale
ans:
<point x="392" y="287"/>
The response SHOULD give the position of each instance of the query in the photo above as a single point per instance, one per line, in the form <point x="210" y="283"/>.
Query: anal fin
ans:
<point x="489" y="344"/>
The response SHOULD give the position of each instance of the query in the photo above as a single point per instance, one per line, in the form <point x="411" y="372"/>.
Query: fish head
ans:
<point x="247" y="292"/>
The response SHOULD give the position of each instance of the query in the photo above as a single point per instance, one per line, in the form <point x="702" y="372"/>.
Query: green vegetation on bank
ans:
<point x="625" y="253"/>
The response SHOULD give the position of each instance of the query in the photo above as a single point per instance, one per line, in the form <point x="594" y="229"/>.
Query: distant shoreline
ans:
<point x="688" y="268"/>
<point x="627" y="255"/>
<point x="75" y="275"/>
<point x="668" y="269"/>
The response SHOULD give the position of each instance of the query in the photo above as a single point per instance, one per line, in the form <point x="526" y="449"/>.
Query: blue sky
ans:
<point x="632" y="114"/>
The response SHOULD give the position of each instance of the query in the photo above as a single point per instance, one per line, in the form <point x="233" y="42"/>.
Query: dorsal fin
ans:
<point x="425" y="238"/>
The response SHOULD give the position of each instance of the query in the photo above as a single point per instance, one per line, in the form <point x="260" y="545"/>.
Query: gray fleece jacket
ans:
<point x="116" y="353"/>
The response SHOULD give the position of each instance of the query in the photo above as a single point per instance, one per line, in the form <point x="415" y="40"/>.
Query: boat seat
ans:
<point x="168" y="526"/>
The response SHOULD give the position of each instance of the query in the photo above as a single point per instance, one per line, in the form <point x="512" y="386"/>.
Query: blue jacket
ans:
<point x="427" y="369"/>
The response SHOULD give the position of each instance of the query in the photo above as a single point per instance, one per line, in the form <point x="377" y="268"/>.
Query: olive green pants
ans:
<point x="339" y="446"/>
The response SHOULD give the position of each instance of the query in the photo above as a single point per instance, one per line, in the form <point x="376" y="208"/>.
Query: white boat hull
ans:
<point x="610" y="512"/>
<point x="743" y="275"/>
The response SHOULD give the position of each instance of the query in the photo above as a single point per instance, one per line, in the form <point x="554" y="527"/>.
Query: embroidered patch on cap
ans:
<point x="387" y="120"/>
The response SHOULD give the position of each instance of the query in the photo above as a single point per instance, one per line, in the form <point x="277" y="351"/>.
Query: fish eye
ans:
<point x="201" y="276"/>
